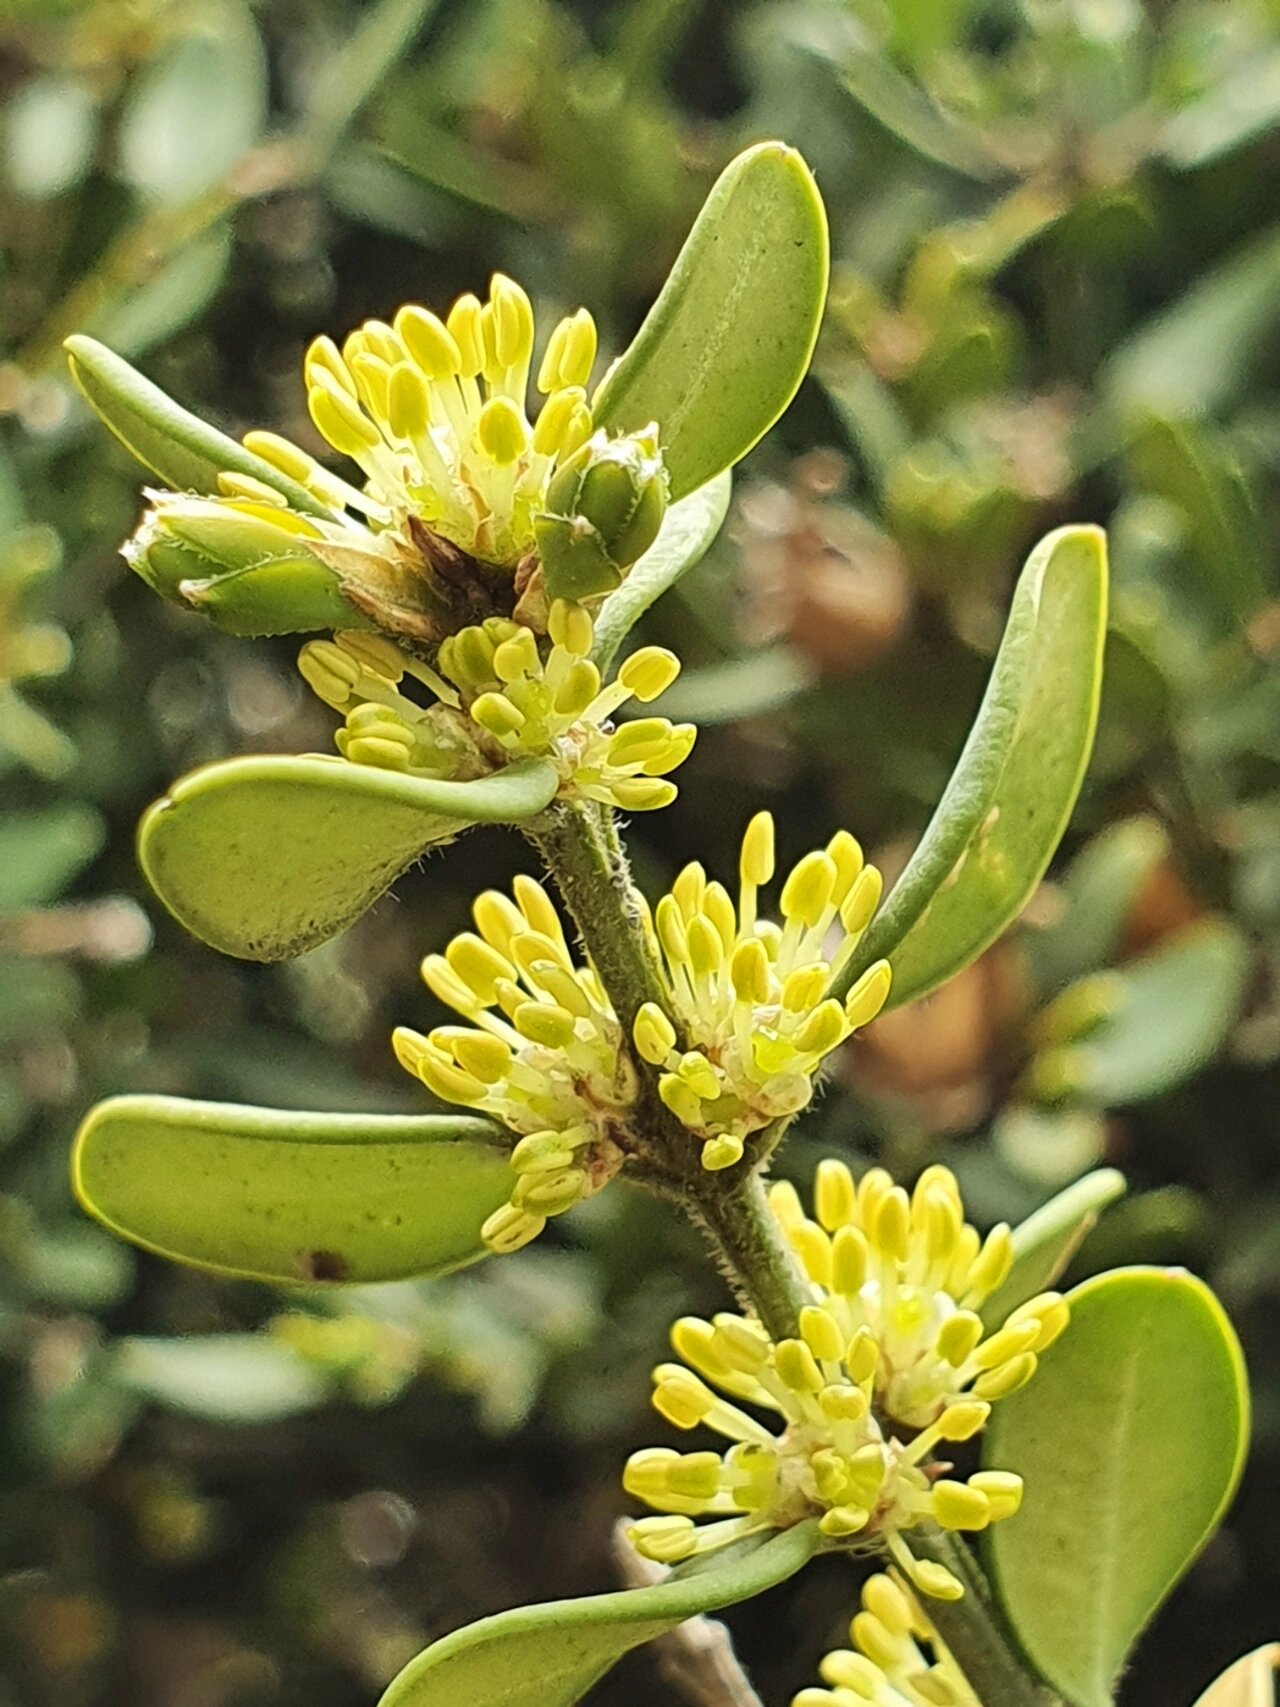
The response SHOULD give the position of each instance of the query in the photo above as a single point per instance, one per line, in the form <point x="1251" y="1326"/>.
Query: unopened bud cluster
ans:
<point x="748" y="1019"/>
<point x="890" y="1365"/>
<point x="541" y="1052"/>
<point x="505" y="695"/>
<point x="433" y="412"/>
<point x="896" y="1658"/>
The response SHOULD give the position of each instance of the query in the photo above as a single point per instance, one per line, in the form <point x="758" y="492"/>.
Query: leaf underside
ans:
<point x="550" y="1655"/>
<point x="274" y="1195"/>
<point x="267" y="857"/>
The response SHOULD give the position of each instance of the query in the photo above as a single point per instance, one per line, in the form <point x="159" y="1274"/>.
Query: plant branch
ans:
<point x="760" y="1264"/>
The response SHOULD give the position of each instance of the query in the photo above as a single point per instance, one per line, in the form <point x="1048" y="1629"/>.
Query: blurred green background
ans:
<point x="1056" y="233"/>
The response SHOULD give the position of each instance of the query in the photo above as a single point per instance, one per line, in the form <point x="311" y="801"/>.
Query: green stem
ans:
<point x="972" y="1629"/>
<point x="591" y="874"/>
<point x="759" y="1262"/>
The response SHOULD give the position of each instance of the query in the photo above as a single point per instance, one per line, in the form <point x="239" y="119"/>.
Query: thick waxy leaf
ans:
<point x="723" y="350"/>
<point x="266" y="857"/>
<point x="550" y="1655"/>
<point x="687" y="531"/>
<point x="274" y="1195"/>
<point x="1011" y="794"/>
<point x="1098" y="894"/>
<point x="1131" y="1439"/>
<point x="1172" y="1011"/>
<point x="184" y="451"/>
<point x="1045" y="1242"/>
<point x="1250" y="1682"/>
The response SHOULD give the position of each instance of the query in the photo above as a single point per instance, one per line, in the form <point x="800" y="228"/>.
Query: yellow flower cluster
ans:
<point x="541" y="1053"/>
<point x="886" y="1664"/>
<point x="748" y="1020"/>
<point x="433" y="412"/>
<point x="502" y="696"/>
<point x="558" y="706"/>
<point x="890" y="1363"/>
<point x="912" y="1273"/>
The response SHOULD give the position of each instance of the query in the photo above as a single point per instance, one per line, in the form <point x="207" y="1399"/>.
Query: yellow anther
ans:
<point x="477" y="965"/>
<point x="655" y="1036"/>
<point x="429" y="342"/>
<point x="808" y="889"/>
<point x="408" y="404"/>
<point x="803" y="987"/>
<point x="511" y="324"/>
<point x="862" y="1355"/>
<point x="749" y="971"/>
<point x="892" y="1227"/>
<point x="862" y="900"/>
<point x="958" y="1336"/>
<point x="665" y="1540"/>
<point x="991" y="1267"/>
<point x="1003" y="1491"/>
<point x="681" y="1099"/>
<point x="959" y="1505"/>
<point x="698" y="1073"/>
<point x="885" y="1600"/>
<point x="649" y="672"/>
<point x="496" y="713"/>
<point x="282" y="455"/>
<point x="706" y="951"/>
<point x="340" y="420"/>
<point x="1009" y="1342"/>
<point x="844" y="1520"/>
<point x="813" y="1247"/>
<point x="963" y="1419"/>
<point x="517" y="657"/>
<point x="1050" y="1310"/>
<point x="881" y="1646"/>
<point x="682" y="1398"/>
<point x="843" y="1402"/>
<point x="502" y="431"/>
<point x="570" y="627"/>
<point x="570" y="353"/>
<point x="545" y="1023"/>
<point x="509" y="1229"/>
<point x="868" y="995"/>
<point x="834" y="1197"/>
<point x="744" y="1345"/>
<point x="821" y="1333"/>
<point x="498" y="919"/>
<point x="372" y="377"/>
<point x="757" y="858"/>
<point x="695" y="1341"/>
<point x="642" y="793"/>
<point x="1006" y="1378"/>
<point x="324" y="357"/>
<point x="849" y="1258"/>
<point x="464" y="327"/>
<point x="822" y="1030"/>
<point x="796" y="1367"/>
<point x="688" y="889"/>
<point x="723" y="1151"/>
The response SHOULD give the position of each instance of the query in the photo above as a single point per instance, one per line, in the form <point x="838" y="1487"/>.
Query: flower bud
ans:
<point x="605" y="505"/>
<point x="243" y="564"/>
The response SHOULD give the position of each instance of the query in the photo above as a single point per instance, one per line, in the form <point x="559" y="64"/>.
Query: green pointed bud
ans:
<point x="242" y="563"/>
<point x="605" y="505"/>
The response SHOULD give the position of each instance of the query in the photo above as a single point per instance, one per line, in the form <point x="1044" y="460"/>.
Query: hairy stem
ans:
<point x="590" y="871"/>
<point x="759" y="1262"/>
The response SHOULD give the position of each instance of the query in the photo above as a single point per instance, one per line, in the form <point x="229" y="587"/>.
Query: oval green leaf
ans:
<point x="687" y="531"/>
<point x="550" y="1655"/>
<point x="1250" y="1682"/>
<point x="184" y="451"/>
<point x="999" y="822"/>
<point x="724" y="348"/>
<point x="1171" y="1013"/>
<point x="1131" y="1440"/>
<point x="268" y="1194"/>
<point x="266" y="857"/>
<point x="222" y="1378"/>
<point x="1046" y="1241"/>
